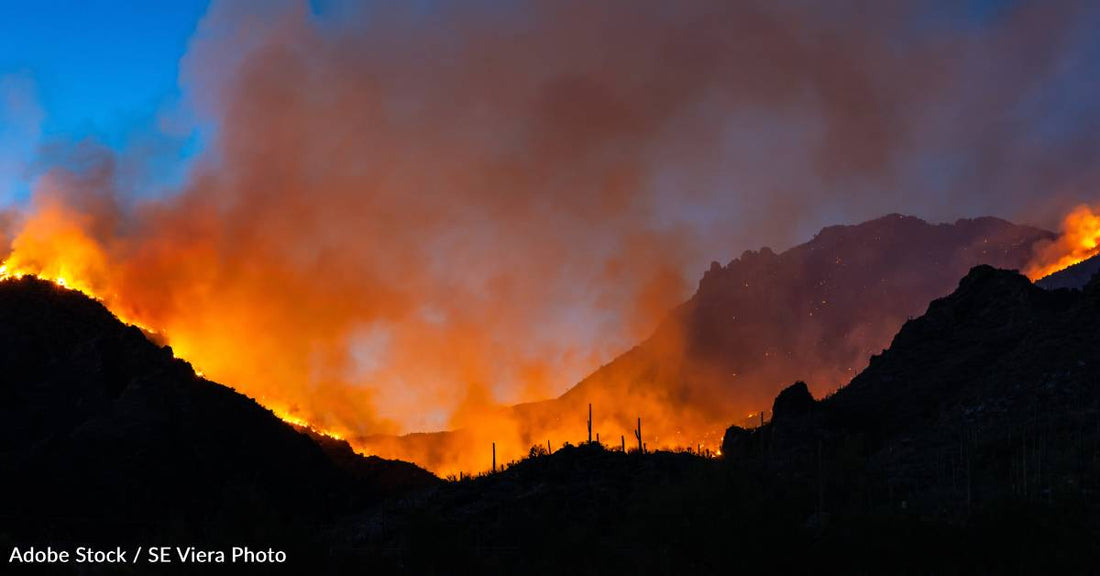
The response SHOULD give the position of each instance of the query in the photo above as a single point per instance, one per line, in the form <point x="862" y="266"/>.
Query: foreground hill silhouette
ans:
<point x="993" y="393"/>
<point x="970" y="446"/>
<point x="106" y="436"/>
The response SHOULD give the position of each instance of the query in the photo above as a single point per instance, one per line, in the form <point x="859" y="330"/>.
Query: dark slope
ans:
<point x="1075" y="276"/>
<point x="582" y="510"/>
<point x="104" y="434"/>
<point x="970" y="446"/>
<point x="1000" y="381"/>
<point x="386" y="478"/>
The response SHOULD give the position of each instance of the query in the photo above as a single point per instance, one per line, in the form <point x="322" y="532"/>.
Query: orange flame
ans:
<point x="1080" y="240"/>
<point x="54" y="246"/>
<point x="54" y="243"/>
<point x="62" y="276"/>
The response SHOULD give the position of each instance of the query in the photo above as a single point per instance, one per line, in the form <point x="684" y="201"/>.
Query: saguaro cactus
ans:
<point x="638" y="435"/>
<point x="494" y="456"/>
<point x="589" y="422"/>
<point x="623" y="438"/>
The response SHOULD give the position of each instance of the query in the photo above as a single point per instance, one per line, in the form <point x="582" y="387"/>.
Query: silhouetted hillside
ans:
<point x="987" y="405"/>
<point x="103" y="434"/>
<point x="1074" y="277"/>
<point x="1001" y="377"/>
<point x="971" y="446"/>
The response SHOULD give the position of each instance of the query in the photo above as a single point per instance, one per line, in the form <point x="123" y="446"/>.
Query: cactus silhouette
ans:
<point x="590" y="423"/>
<point x="638" y="435"/>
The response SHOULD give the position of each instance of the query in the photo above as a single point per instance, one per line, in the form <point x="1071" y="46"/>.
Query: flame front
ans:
<point x="53" y="245"/>
<point x="1079" y="241"/>
<point x="63" y="276"/>
<point x="231" y="334"/>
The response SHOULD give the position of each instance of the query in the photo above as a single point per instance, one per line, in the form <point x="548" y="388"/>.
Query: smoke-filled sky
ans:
<point x="433" y="205"/>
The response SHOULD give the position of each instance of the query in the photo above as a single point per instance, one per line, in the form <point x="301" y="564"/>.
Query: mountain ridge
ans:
<point x="998" y="375"/>
<point x="99" y="424"/>
<point x="815" y="312"/>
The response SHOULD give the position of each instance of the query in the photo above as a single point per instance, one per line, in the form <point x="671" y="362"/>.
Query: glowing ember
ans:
<point x="1080" y="240"/>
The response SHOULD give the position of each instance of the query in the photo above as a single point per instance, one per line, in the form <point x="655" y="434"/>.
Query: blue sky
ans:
<point x="79" y="69"/>
<point x="105" y="71"/>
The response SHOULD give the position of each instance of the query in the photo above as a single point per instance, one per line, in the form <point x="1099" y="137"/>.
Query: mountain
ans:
<point x="816" y="312"/>
<point x="992" y="396"/>
<point x="1074" y="277"/>
<point x="105" y="435"/>
<point x="970" y="446"/>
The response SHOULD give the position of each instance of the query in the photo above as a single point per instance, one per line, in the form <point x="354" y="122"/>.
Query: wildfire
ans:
<point x="10" y="272"/>
<point x="1080" y="240"/>
<point x="54" y="247"/>
<point x="303" y="423"/>
<point x="251" y="331"/>
<point x="246" y="327"/>
<point x="60" y="278"/>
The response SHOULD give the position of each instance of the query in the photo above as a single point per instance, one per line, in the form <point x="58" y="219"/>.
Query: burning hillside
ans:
<point x="1079" y="241"/>
<point x="101" y="428"/>
<point x="722" y="354"/>
<point x="816" y="312"/>
<point x="410" y="221"/>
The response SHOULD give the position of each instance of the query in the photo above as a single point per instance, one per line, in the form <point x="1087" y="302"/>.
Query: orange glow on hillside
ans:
<point x="228" y="336"/>
<point x="1080" y="240"/>
<point x="54" y="246"/>
<point x="63" y="278"/>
